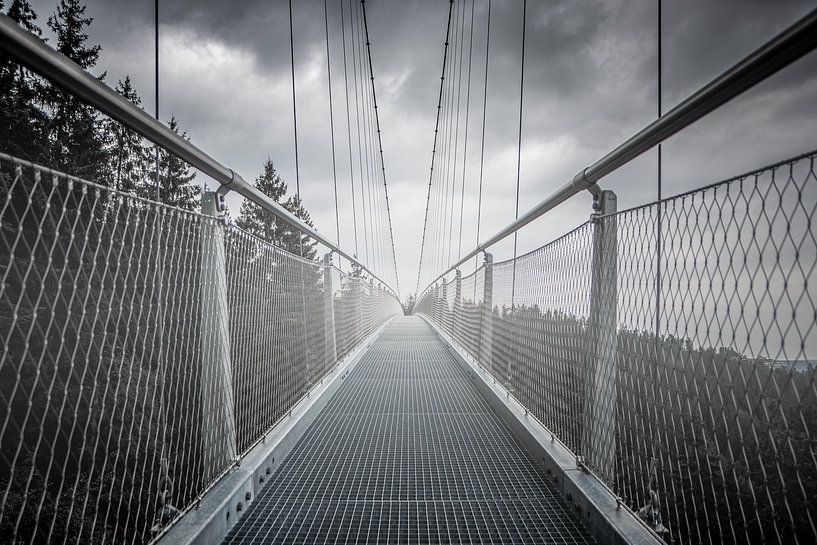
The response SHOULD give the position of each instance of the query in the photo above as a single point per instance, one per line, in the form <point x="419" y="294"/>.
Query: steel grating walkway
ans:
<point x="407" y="451"/>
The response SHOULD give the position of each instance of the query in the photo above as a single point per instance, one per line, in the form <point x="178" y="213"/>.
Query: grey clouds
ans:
<point x="590" y="82"/>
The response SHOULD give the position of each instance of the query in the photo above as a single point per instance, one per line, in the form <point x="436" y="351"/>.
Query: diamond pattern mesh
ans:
<point x="685" y="379"/>
<point x="145" y="348"/>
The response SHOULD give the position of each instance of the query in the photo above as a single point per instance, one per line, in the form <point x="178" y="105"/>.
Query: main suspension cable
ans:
<point x="380" y="144"/>
<point x="434" y="148"/>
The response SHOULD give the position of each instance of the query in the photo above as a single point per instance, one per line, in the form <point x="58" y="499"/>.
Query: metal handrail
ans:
<point x="32" y="52"/>
<point x="779" y="52"/>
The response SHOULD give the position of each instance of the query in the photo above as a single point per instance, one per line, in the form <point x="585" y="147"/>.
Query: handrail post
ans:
<point x="458" y="290"/>
<point x="357" y="308"/>
<point x="445" y="309"/>
<point x="598" y="438"/>
<point x="456" y="326"/>
<point x="218" y="426"/>
<point x="486" y="338"/>
<point x="330" y="344"/>
<point x="435" y="303"/>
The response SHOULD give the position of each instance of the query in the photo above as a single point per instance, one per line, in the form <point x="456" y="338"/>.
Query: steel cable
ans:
<point x="434" y="149"/>
<point x="349" y="128"/>
<point x="331" y="119"/>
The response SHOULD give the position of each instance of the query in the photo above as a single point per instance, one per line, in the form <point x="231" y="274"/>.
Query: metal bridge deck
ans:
<point x="407" y="451"/>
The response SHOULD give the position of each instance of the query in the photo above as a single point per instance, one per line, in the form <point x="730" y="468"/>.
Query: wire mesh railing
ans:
<point x="691" y="393"/>
<point x="145" y="349"/>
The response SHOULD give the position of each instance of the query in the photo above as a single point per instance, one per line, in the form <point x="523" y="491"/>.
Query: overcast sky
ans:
<point x="590" y="82"/>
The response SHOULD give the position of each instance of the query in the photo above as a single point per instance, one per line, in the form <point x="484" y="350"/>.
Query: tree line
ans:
<point x="713" y="421"/>
<point x="82" y="292"/>
<point x="48" y="125"/>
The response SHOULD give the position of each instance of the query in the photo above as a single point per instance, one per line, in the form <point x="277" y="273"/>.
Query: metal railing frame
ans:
<point x="33" y="53"/>
<point x="785" y="48"/>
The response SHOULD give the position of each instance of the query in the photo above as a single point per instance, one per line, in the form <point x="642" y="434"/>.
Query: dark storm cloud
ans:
<point x="590" y="82"/>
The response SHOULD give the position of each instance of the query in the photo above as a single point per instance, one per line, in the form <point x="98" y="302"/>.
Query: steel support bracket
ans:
<point x="604" y="203"/>
<point x="225" y="188"/>
<point x="581" y="181"/>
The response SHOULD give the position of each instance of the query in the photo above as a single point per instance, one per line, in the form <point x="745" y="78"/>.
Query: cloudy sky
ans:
<point x="590" y="82"/>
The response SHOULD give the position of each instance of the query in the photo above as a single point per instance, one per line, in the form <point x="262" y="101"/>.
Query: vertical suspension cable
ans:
<point x="367" y="175"/>
<point x="294" y="108"/>
<point x="298" y="187"/>
<point x="348" y="126"/>
<point x="441" y="192"/>
<point x="653" y="484"/>
<point x="448" y="108"/>
<point x="367" y="146"/>
<point x="331" y="119"/>
<point x="484" y="112"/>
<point x="353" y="26"/>
<point x="658" y="244"/>
<point x="156" y="83"/>
<point x="467" y="119"/>
<point x="443" y="175"/>
<point x="439" y="176"/>
<point x="374" y="197"/>
<point x="380" y="145"/>
<point x="164" y="465"/>
<point x="448" y="128"/>
<point x="371" y="169"/>
<point x="434" y="150"/>
<point x="519" y="145"/>
<point x="461" y="37"/>
<point x="373" y="187"/>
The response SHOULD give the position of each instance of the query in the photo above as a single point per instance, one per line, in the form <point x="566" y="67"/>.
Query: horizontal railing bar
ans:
<point x="779" y="52"/>
<point x="35" y="54"/>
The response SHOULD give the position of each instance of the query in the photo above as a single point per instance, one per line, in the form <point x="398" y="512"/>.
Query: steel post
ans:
<point x="598" y="438"/>
<point x="330" y="345"/>
<point x="486" y="338"/>
<point x="218" y="426"/>
<point x="458" y="291"/>
<point x="456" y="318"/>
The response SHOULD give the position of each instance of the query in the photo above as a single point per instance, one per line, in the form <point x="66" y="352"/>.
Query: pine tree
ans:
<point x="77" y="142"/>
<point x="21" y="11"/>
<point x="254" y="219"/>
<point x="130" y="160"/>
<point x="22" y="121"/>
<point x="176" y="186"/>
<point x="263" y="224"/>
<point x="294" y="241"/>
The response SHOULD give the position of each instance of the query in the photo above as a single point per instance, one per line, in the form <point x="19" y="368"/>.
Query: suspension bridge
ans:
<point x="647" y="377"/>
